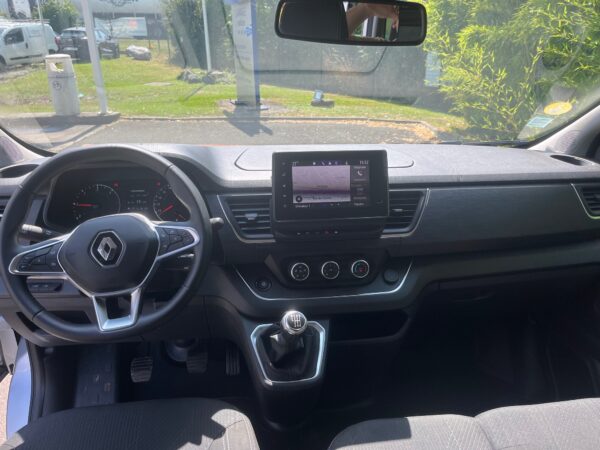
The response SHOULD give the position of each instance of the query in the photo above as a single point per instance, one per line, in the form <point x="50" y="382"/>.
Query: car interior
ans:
<point x="341" y="296"/>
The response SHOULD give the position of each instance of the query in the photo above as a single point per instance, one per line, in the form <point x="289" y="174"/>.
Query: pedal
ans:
<point x="141" y="369"/>
<point x="197" y="362"/>
<point x="232" y="360"/>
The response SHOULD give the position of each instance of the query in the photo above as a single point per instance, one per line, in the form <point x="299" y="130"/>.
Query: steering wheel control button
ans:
<point x="330" y="270"/>
<point x="360" y="268"/>
<point x="38" y="261"/>
<point x="299" y="271"/>
<point x="172" y="239"/>
<point x="294" y="323"/>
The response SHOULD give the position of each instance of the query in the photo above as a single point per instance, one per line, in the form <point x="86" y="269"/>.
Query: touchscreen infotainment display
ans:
<point x="337" y="184"/>
<point x="330" y="183"/>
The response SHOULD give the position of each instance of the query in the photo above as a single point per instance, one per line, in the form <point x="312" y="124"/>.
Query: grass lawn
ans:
<point x="129" y="94"/>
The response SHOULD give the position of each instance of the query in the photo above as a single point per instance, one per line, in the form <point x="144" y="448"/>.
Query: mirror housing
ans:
<point x="364" y="22"/>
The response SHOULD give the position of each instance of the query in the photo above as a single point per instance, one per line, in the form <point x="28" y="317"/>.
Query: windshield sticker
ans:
<point x="539" y="122"/>
<point x="558" y="108"/>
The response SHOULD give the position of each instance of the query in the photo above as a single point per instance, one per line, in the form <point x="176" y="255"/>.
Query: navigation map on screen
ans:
<point x="330" y="183"/>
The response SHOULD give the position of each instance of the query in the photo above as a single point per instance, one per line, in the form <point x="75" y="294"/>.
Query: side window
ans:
<point x="14" y="36"/>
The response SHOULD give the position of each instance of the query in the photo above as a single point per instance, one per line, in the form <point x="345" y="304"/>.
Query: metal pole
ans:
<point x="41" y="16"/>
<point x="88" y="20"/>
<point x="206" y="40"/>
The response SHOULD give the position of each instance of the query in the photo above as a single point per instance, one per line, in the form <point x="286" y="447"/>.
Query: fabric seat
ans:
<point x="156" y="424"/>
<point x="557" y="426"/>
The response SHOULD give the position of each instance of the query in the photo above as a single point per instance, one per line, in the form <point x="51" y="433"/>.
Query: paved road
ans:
<point x="242" y="132"/>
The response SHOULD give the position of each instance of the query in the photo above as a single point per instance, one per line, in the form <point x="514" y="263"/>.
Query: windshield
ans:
<point x="215" y="72"/>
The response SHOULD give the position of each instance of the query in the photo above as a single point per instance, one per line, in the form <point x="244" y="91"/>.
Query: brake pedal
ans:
<point x="141" y="369"/>
<point x="232" y="360"/>
<point x="197" y="362"/>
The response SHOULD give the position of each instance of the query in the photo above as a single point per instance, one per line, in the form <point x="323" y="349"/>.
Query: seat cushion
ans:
<point x="426" y="433"/>
<point x="562" y="425"/>
<point x="551" y="426"/>
<point x="155" y="424"/>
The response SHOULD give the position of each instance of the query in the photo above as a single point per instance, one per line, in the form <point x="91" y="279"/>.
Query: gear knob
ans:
<point x="294" y="323"/>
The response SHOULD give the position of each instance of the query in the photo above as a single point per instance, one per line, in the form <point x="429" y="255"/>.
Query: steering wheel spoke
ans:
<point x="175" y="238"/>
<point x="39" y="259"/>
<point x="108" y="323"/>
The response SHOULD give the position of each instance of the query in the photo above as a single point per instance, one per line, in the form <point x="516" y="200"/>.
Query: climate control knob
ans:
<point x="299" y="271"/>
<point x="360" y="268"/>
<point x="330" y="270"/>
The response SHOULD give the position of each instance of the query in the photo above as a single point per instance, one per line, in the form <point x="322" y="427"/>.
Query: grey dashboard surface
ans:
<point x="239" y="167"/>
<point x="246" y="167"/>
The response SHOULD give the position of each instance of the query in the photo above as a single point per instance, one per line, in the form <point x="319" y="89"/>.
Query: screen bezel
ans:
<point x="282" y="186"/>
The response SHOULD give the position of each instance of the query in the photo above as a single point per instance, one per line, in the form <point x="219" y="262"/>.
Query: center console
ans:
<point x="327" y="196"/>
<point x="321" y="201"/>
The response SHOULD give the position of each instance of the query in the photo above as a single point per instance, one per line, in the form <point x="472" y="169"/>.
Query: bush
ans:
<point x="60" y="14"/>
<point x="500" y="59"/>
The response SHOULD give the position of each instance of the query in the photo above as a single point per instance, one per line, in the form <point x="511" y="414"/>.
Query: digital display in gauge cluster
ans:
<point x="85" y="195"/>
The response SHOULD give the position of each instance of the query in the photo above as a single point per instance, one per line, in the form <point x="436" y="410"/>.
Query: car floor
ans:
<point x="461" y="360"/>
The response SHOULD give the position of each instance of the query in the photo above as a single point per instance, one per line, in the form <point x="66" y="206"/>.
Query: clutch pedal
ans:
<point x="141" y="369"/>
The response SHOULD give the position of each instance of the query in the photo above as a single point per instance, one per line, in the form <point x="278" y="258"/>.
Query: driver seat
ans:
<point x="190" y="423"/>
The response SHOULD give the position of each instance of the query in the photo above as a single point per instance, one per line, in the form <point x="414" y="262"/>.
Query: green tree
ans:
<point x="60" y="14"/>
<point x="500" y="59"/>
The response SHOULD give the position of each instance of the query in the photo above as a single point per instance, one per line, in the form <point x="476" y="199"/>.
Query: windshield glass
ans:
<point x="215" y="72"/>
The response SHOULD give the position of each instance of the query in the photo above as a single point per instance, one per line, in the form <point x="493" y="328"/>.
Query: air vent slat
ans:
<point x="590" y="195"/>
<point x="3" y="202"/>
<point x="252" y="215"/>
<point x="404" y="207"/>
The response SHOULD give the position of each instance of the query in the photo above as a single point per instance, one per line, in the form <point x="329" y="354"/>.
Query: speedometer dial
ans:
<point x="94" y="201"/>
<point x="168" y="207"/>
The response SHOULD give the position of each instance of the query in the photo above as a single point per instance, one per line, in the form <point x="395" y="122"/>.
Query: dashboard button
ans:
<point x="330" y="270"/>
<point x="299" y="271"/>
<point x="360" y="268"/>
<point x="263" y="284"/>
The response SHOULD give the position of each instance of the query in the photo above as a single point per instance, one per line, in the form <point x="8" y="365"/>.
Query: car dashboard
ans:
<point x="455" y="213"/>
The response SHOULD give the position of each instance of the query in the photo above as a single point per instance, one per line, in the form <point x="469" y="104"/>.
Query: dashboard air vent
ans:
<point x="3" y="202"/>
<point x="590" y="194"/>
<point x="404" y="209"/>
<point x="251" y="214"/>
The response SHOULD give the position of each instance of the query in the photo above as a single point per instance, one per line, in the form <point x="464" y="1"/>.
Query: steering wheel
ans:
<point x="107" y="257"/>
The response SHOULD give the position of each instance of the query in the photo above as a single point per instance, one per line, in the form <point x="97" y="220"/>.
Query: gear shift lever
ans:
<point x="294" y="324"/>
<point x="289" y="338"/>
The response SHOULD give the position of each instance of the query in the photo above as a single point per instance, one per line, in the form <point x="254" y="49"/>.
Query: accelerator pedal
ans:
<point x="232" y="360"/>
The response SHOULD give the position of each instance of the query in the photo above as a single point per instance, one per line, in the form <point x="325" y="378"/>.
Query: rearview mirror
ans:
<point x="365" y="22"/>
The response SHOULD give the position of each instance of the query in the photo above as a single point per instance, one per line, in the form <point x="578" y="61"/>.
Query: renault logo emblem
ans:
<point x="107" y="248"/>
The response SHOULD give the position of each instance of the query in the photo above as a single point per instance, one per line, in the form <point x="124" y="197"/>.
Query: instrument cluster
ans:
<point x="80" y="195"/>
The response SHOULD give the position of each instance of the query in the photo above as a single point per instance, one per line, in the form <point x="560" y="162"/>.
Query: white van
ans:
<point x="24" y="43"/>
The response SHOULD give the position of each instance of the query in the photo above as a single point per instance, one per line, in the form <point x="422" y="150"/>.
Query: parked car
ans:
<point x="73" y="41"/>
<point x="51" y="39"/>
<point x="22" y="43"/>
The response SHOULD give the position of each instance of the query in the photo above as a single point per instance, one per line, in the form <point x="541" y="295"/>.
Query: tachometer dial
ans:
<point x="168" y="207"/>
<point x="94" y="201"/>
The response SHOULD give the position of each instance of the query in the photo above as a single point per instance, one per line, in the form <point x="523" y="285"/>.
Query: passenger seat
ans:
<point x="557" y="426"/>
